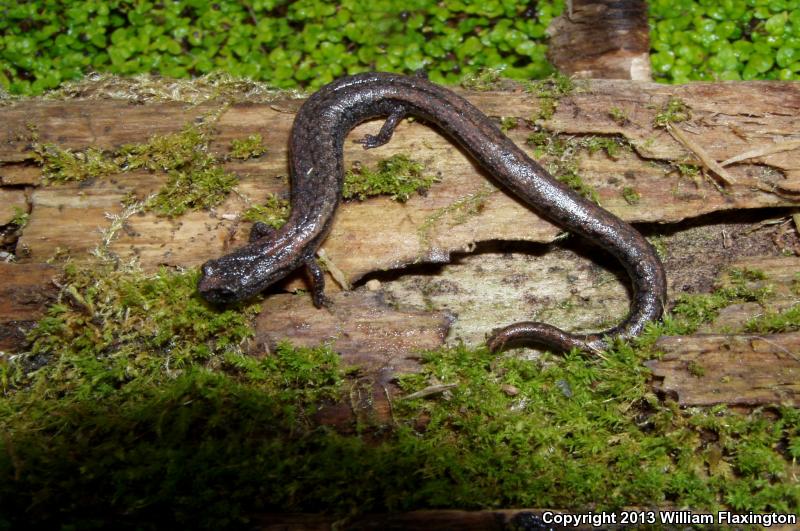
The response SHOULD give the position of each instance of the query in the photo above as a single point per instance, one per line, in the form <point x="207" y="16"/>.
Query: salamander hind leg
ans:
<point x="317" y="276"/>
<point x="387" y="130"/>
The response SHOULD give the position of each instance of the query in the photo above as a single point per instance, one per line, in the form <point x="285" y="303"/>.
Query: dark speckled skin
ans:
<point x="316" y="183"/>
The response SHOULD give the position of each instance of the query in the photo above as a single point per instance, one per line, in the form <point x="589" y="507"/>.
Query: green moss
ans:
<point x="549" y="91"/>
<point x="508" y="122"/>
<point x="675" y="110"/>
<point x="196" y="178"/>
<point x="20" y="218"/>
<point x="695" y="369"/>
<point x="64" y="165"/>
<point x="740" y="276"/>
<point x="186" y="148"/>
<point x="111" y="326"/>
<point x="247" y="148"/>
<point x="775" y="322"/>
<point x="561" y="153"/>
<point x="459" y="211"/>
<point x="483" y="80"/>
<point x="274" y="212"/>
<point x="571" y="178"/>
<point x="697" y="309"/>
<point x="399" y="176"/>
<point x="630" y="195"/>
<point x="659" y="243"/>
<point x="619" y="116"/>
<point x="612" y="145"/>
<point x="196" y="189"/>
<point x="137" y="407"/>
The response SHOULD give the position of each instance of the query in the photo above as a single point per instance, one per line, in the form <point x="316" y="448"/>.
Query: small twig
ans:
<point x="337" y="274"/>
<point x="779" y="347"/>
<point x="428" y="391"/>
<point x="766" y="223"/>
<point x="707" y="160"/>
<point x="775" y="147"/>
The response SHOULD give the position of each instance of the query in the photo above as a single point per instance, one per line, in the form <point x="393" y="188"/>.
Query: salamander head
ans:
<point x="248" y="270"/>
<point x="217" y="287"/>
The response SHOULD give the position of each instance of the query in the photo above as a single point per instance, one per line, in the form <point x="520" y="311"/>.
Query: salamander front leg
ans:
<point x="261" y="230"/>
<point x="317" y="276"/>
<point x="385" y="134"/>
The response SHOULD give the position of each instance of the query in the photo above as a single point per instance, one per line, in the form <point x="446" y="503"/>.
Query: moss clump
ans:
<point x="274" y="212"/>
<point x="775" y="322"/>
<point x="398" y="177"/>
<point x="196" y="177"/>
<point x="483" y="80"/>
<point x="65" y="165"/>
<point x="111" y="326"/>
<point x="692" y="311"/>
<point x="675" y="110"/>
<point x="561" y="154"/>
<point x="631" y="196"/>
<point x="196" y="189"/>
<point x="619" y="116"/>
<point x="508" y="122"/>
<point x="549" y="91"/>
<point x="247" y="148"/>
<point x="20" y="218"/>
<point x="571" y="178"/>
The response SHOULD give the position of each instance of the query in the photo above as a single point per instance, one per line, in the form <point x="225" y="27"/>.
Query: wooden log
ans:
<point x="462" y="209"/>
<point x="741" y="370"/>
<point x="606" y="39"/>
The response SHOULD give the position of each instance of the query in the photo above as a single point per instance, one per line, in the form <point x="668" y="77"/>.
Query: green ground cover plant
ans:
<point x="303" y="43"/>
<point x="706" y="40"/>
<point x="308" y="43"/>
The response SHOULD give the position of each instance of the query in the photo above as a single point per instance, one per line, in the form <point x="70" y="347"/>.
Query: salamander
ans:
<point x="317" y="174"/>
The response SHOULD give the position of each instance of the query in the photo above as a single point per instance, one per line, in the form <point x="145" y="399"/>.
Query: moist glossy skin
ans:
<point x="317" y="174"/>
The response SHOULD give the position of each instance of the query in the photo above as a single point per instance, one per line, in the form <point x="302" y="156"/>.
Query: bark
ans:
<point x="606" y="39"/>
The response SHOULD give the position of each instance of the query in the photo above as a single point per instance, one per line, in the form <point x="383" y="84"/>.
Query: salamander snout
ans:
<point x="213" y="287"/>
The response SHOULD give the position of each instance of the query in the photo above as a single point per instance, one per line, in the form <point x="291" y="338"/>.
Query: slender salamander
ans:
<point x="317" y="173"/>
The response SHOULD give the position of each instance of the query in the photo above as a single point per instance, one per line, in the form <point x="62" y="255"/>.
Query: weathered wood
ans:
<point x="606" y="39"/>
<point x="12" y="201"/>
<point x="78" y="124"/>
<point x="737" y="368"/>
<point x="15" y="174"/>
<point x="743" y="370"/>
<point x="25" y="292"/>
<point x="360" y="325"/>
<point x="728" y="119"/>
<point x="463" y="208"/>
